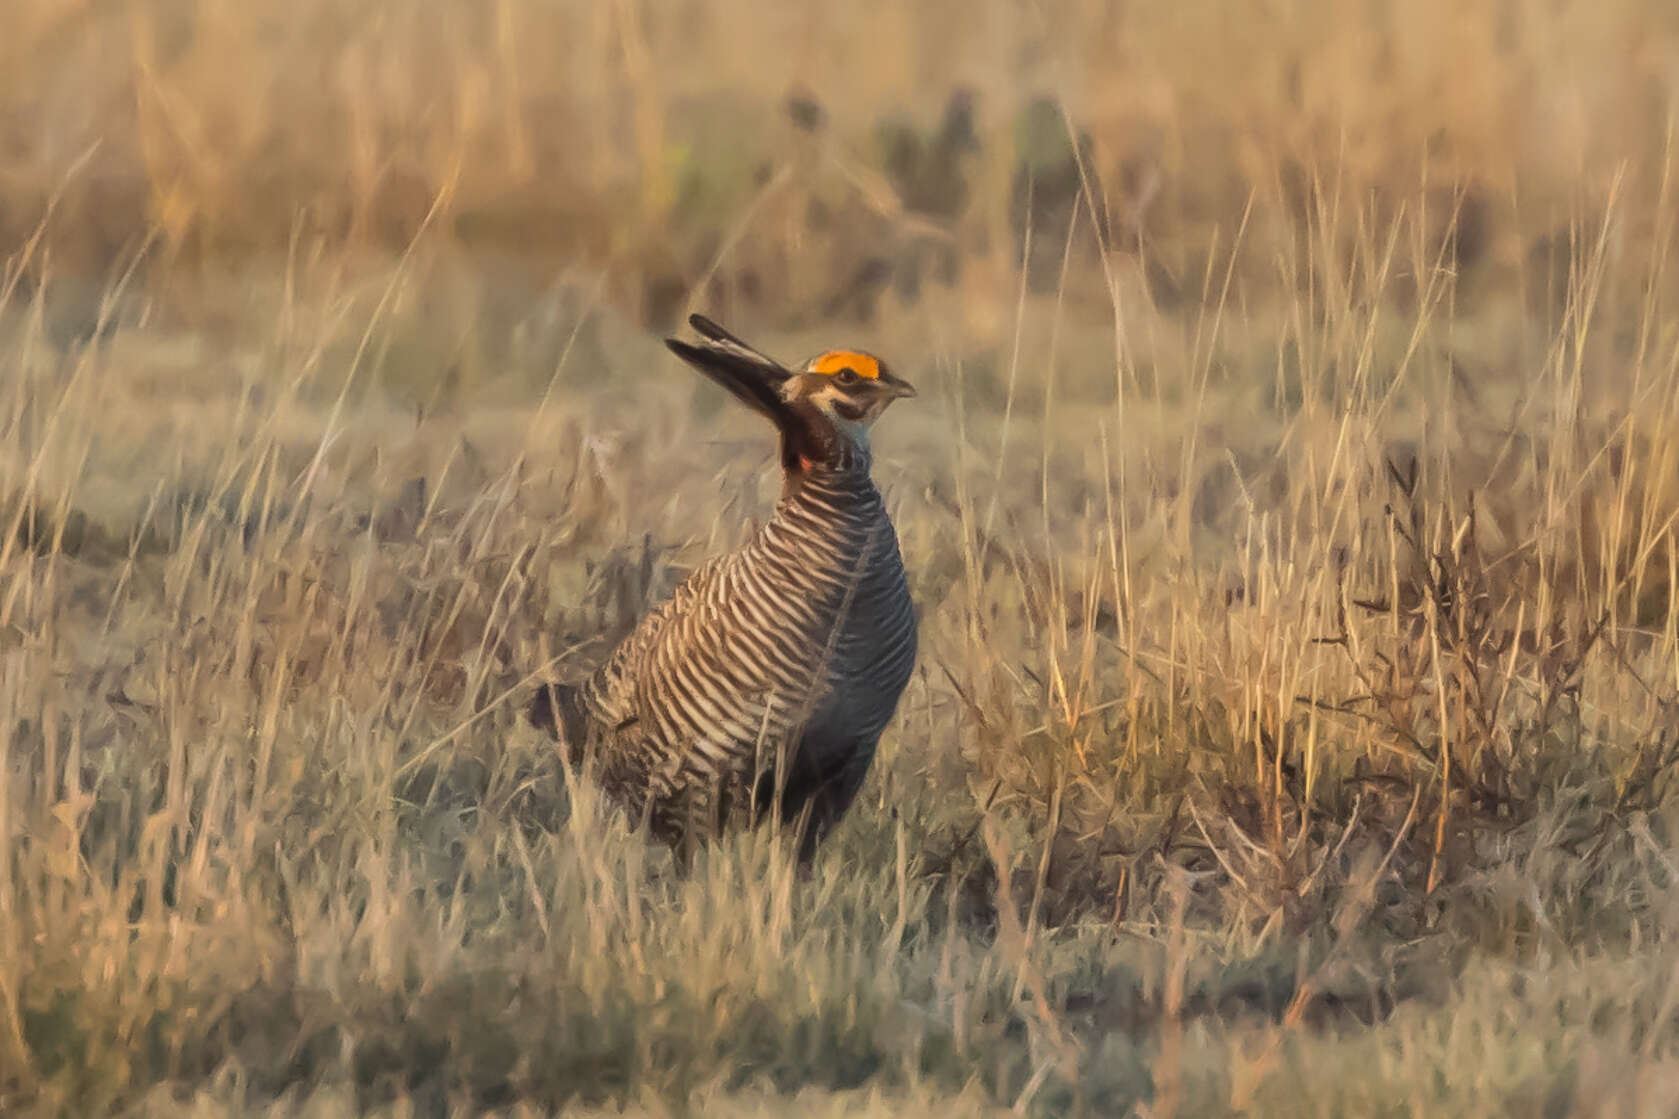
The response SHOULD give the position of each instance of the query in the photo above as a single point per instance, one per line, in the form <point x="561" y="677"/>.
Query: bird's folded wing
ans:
<point x="609" y="696"/>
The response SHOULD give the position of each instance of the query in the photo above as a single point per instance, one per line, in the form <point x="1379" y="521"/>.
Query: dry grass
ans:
<point x="1299" y="698"/>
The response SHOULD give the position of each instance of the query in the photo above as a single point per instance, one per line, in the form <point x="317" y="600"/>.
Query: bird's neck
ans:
<point x="841" y="466"/>
<point x="814" y="447"/>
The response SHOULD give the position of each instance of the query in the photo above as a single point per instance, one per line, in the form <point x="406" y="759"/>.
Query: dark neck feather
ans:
<point x="810" y="444"/>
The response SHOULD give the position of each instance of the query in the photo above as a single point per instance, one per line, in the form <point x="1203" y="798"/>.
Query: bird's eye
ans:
<point x="846" y="376"/>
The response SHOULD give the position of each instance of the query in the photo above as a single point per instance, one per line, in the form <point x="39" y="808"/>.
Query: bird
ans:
<point x="761" y="687"/>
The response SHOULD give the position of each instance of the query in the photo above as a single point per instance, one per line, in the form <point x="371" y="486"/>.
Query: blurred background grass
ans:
<point x="805" y="159"/>
<point x="1290" y="505"/>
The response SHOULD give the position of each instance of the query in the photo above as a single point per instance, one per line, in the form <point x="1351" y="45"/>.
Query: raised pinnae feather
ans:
<point x="721" y="339"/>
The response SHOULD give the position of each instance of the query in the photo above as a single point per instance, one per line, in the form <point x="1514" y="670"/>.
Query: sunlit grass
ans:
<point x="1296" y="713"/>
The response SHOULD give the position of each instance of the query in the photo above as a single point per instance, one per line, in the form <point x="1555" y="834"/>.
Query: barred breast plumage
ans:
<point x="765" y="681"/>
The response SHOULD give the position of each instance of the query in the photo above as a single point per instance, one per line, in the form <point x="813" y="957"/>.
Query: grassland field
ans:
<point x="1290" y="505"/>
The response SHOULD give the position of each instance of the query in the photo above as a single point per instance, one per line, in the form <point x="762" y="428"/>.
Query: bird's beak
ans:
<point x="752" y="377"/>
<point x="899" y="386"/>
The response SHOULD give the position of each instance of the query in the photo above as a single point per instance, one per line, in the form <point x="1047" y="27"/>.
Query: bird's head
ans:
<point x="829" y="402"/>
<point x="849" y="387"/>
